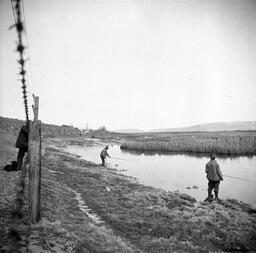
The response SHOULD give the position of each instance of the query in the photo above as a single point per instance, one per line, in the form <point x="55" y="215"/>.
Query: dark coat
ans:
<point x="22" y="140"/>
<point x="213" y="172"/>
<point x="104" y="153"/>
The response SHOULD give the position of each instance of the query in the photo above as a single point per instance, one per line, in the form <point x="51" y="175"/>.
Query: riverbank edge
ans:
<point x="135" y="217"/>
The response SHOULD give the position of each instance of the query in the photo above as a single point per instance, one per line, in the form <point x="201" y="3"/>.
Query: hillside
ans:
<point x="214" y="127"/>
<point x="128" y="131"/>
<point x="48" y="130"/>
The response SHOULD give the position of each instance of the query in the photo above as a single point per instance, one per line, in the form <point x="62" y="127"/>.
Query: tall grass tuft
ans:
<point x="227" y="144"/>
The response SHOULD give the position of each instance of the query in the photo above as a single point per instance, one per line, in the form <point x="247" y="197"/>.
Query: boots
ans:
<point x="216" y="196"/>
<point x="210" y="197"/>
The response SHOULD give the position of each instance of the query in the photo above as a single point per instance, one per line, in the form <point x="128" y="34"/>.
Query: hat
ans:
<point x="212" y="156"/>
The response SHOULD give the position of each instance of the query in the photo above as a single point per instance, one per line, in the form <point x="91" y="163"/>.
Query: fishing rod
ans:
<point x="239" y="178"/>
<point x="117" y="158"/>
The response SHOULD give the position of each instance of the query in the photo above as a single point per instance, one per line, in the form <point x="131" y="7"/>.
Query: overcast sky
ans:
<point x="133" y="64"/>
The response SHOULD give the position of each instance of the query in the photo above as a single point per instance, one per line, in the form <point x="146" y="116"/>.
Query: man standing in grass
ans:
<point x="103" y="155"/>
<point x="214" y="176"/>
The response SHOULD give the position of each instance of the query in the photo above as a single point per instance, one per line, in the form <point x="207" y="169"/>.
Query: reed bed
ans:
<point x="226" y="144"/>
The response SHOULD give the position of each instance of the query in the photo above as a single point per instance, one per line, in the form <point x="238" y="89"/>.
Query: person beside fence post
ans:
<point x="214" y="176"/>
<point x="22" y="144"/>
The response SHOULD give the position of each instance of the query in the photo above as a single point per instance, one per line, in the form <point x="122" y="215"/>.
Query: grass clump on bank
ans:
<point x="226" y="143"/>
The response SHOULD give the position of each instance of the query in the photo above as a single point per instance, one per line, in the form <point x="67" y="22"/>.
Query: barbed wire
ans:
<point x="19" y="25"/>
<point x="15" y="236"/>
<point x="29" y="73"/>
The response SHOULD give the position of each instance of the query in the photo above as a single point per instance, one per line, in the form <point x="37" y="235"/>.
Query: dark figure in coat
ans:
<point x="22" y="144"/>
<point x="214" y="176"/>
<point x="103" y="155"/>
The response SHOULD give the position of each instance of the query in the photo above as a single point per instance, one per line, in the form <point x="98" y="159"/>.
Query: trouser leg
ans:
<point x="102" y="161"/>
<point x="210" y="188"/>
<point x="20" y="156"/>
<point x="216" y="190"/>
<point x="216" y="193"/>
<point x="210" y="198"/>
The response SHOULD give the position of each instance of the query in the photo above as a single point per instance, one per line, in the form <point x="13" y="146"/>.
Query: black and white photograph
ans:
<point x="127" y="126"/>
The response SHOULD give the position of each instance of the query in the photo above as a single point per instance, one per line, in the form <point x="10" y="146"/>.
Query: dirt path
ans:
<point x="84" y="208"/>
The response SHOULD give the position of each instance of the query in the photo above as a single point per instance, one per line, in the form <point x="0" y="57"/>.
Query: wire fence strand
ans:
<point x="29" y="73"/>
<point x="19" y="25"/>
<point x="15" y="236"/>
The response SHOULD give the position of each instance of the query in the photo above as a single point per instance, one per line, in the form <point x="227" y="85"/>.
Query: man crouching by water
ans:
<point x="103" y="155"/>
<point x="214" y="176"/>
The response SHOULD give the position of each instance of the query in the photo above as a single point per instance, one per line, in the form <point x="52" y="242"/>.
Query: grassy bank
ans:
<point x="135" y="218"/>
<point x="226" y="143"/>
<point x="48" y="130"/>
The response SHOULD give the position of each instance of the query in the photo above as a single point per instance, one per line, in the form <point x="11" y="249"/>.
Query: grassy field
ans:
<point x="135" y="218"/>
<point x="226" y="143"/>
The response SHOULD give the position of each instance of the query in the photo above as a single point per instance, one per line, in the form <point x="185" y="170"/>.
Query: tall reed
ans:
<point x="228" y="145"/>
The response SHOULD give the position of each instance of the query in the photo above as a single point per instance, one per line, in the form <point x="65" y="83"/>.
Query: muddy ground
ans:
<point x="88" y="208"/>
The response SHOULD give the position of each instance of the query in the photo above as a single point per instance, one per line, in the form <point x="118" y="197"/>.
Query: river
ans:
<point x="181" y="172"/>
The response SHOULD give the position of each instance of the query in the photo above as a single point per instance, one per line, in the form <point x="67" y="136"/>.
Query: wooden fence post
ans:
<point x="35" y="165"/>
